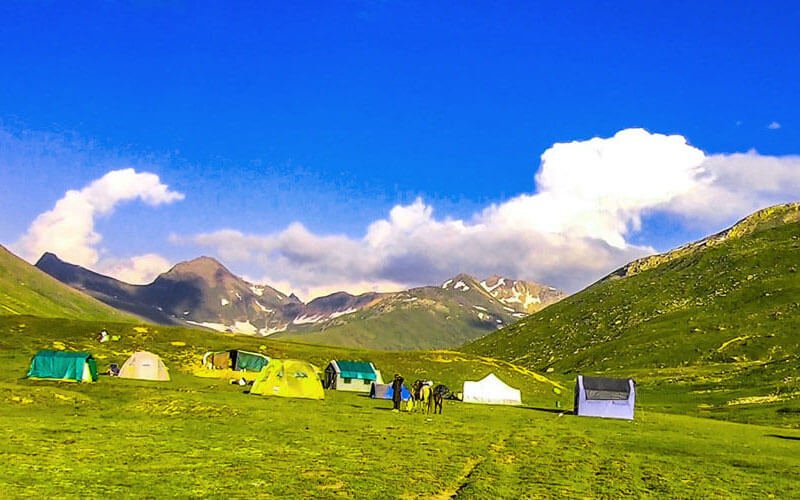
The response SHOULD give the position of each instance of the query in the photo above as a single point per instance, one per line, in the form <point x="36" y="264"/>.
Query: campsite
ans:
<point x="119" y="436"/>
<point x="380" y="249"/>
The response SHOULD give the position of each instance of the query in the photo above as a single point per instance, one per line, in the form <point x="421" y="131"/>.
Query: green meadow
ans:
<point x="203" y="437"/>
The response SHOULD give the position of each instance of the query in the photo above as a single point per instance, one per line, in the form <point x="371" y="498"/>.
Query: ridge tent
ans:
<point x="60" y="365"/>
<point x="236" y="360"/>
<point x="491" y="391"/>
<point x="385" y="391"/>
<point x="355" y="376"/>
<point x="144" y="365"/>
<point x="605" y="397"/>
<point x="289" y="378"/>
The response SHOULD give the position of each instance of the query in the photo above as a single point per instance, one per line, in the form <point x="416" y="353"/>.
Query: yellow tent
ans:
<point x="289" y="378"/>
<point x="144" y="365"/>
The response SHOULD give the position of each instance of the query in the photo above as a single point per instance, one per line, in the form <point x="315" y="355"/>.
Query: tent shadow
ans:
<point x="779" y="436"/>
<point x="548" y="410"/>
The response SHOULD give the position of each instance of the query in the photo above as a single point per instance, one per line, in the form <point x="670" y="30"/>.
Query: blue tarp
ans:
<point x="385" y="391"/>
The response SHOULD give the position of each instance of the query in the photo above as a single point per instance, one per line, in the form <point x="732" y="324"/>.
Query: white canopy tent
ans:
<point x="491" y="391"/>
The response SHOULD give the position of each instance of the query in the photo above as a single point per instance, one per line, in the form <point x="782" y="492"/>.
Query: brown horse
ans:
<point x="437" y="397"/>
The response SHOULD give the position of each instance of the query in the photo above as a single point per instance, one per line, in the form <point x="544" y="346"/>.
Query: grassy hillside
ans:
<point x="722" y="315"/>
<point x="401" y="329"/>
<point x="432" y="317"/>
<point x="27" y="290"/>
<point x="205" y="437"/>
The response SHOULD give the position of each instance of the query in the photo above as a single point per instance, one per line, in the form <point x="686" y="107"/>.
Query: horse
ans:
<point x="421" y="395"/>
<point x="437" y="397"/>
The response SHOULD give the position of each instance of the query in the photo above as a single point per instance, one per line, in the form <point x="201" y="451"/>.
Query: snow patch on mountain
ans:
<point x="263" y="308"/>
<point x="305" y="320"/>
<point x="461" y="286"/>
<point x="214" y="326"/>
<point x="342" y="313"/>
<point x="269" y="331"/>
<point x="244" y="327"/>
<point x="490" y="289"/>
<point x="223" y="302"/>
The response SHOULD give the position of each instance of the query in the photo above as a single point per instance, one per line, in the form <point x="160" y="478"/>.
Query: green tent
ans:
<point x="236" y="360"/>
<point x="61" y="365"/>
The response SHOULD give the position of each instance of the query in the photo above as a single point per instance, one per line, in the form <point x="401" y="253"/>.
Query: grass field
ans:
<point x="205" y="437"/>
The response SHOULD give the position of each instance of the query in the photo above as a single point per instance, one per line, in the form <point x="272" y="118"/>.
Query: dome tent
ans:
<point x="144" y="365"/>
<point x="289" y="378"/>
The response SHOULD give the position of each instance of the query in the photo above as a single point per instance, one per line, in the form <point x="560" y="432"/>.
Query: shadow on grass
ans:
<point x="560" y="411"/>
<point x="793" y="438"/>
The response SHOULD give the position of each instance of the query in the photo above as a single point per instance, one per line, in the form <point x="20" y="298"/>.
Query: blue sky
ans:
<point x="268" y="117"/>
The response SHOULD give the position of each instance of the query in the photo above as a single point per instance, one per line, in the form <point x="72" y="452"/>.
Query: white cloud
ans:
<point x="68" y="229"/>
<point x="774" y="126"/>
<point x="737" y="185"/>
<point x="590" y="197"/>
<point x="137" y="270"/>
<point x="599" y="188"/>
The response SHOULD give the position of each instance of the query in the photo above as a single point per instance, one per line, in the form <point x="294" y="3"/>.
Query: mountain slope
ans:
<point x="201" y="292"/>
<point x="731" y="298"/>
<point x="115" y="293"/>
<point x="461" y="309"/>
<point x="27" y="290"/>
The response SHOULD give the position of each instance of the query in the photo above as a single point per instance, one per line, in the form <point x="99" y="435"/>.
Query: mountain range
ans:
<point x="202" y="292"/>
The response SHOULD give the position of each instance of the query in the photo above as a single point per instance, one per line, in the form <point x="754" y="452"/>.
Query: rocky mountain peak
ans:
<point x="208" y="269"/>
<point x="460" y="281"/>
<point x="48" y="258"/>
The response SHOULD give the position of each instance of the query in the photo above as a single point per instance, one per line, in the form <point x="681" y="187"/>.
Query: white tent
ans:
<point x="145" y="366"/>
<point x="491" y="391"/>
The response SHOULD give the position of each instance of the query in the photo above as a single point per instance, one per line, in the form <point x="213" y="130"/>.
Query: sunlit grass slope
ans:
<point x="401" y="329"/>
<point x="200" y="437"/>
<point x="717" y="320"/>
<point x="26" y="290"/>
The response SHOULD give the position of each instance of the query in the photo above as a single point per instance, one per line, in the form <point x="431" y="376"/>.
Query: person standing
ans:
<point x="397" y="391"/>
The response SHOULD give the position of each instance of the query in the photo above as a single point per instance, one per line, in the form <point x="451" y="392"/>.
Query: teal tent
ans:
<point x="61" y="365"/>
<point x="236" y="360"/>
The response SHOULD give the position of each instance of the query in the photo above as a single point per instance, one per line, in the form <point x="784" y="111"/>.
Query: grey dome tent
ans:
<point x="605" y="397"/>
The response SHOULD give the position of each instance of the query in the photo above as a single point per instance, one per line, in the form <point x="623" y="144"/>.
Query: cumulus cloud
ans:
<point x="737" y="185"/>
<point x="774" y="126"/>
<point x="590" y="196"/>
<point x="68" y="229"/>
<point x="137" y="270"/>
